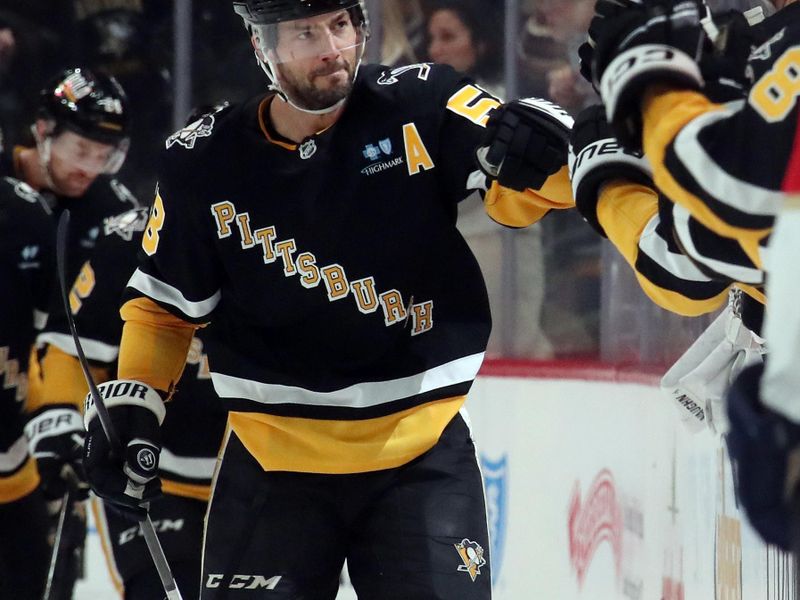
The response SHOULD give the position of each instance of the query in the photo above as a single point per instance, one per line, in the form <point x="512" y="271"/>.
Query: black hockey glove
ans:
<point x="55" y="438"/>
<point x="658" y="41"/>
<point x="764" y="448"/>
<point x="586" y="51"/>
<point x="595" y="158"/>
<point x="125" y="478"/>
<point x="724" y="61"/>
<point x="525" y="142"/>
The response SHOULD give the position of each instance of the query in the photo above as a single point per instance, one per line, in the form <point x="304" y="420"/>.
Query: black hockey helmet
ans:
<point x="268" y="12"/>
<point x="93" y="105"/>
<point x="263" y="17"/>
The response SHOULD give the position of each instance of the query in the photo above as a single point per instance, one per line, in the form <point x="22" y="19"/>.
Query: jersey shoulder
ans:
<point x="19" y="199"/>
<point x="414" y="86"/>
<point x="202" y="132"/>
<point x="25" y="217"/>
<point x="193" y="152"/>
<point x="777" y="33"/>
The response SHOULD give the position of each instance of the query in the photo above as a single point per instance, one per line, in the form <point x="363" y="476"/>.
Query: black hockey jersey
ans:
<point x="348" y="316"/>
<point x="725" y="163"/>
<point x="105" y="197"/>
<point x="27" y="262"/>
<point x="188" y="455"/>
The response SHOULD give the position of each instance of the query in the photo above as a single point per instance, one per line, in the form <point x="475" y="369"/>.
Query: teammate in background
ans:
<point x="81" y="138"/>
<point x="681" y="265"/>
<point x="725" y="164"/>
<point x="188" y="456"/>
<point x="26" y="270"/>
<point x="313" y="228"/>
<point x="81" y="134"/>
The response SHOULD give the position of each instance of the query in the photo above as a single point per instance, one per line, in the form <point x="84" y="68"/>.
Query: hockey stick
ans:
<point x="62" y="516"/>
<point x="146" y="524"/>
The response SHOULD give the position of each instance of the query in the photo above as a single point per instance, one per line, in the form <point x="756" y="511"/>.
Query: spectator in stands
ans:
<point x="461" y="33"/>
<point x="567" y="21"/>
<point x="538" y="53"/>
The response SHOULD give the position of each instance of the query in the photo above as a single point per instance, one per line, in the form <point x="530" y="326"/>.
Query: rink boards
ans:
<point x="597" y="492"/>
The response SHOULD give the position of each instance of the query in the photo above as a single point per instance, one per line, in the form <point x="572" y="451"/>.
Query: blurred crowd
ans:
<point x="544" y="282"/>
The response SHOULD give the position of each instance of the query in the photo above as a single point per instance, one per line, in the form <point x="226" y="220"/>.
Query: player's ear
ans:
<point x="257" y="49"/>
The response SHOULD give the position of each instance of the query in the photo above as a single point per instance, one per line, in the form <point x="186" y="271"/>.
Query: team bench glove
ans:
<point x="55" y="438"/>
<point x="525" y="142"/>
<point x="609" y="8"/>
<point x="764" y="447"/>
<point x="595" y="158"/>
<point x="127" y="481"/>
<point x="723" y="64"/>
<point x="658" y="41"/>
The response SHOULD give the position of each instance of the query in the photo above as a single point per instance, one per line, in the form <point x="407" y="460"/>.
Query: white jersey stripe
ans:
<point x="718" y="183"/>
<point x="655" y="247"/>
<point x="360" y="395"/>
<point x="93" y="349"/>
<point x="187" y="466"/>
<point x="736" y="272"/>
<point x="163" y="292"/>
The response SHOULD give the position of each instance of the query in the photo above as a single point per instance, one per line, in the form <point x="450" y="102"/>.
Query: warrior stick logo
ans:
<point x="187" y="136"/>
<point x="471" y="554"/>
<point x="595" y="520"/>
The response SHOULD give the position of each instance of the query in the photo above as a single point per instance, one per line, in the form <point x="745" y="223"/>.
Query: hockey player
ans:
<point x="81" y="134"/>
<point x="26" y="270"/>
<point x="313" y="228"/>
<point x="188" y="456"/>
<point x="725" y="164"/>
<point x="681" y="265"/>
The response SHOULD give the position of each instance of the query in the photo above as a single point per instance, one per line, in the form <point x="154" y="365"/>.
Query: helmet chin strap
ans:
<point x="269" y="68"/>
<point x="43" y="150"/>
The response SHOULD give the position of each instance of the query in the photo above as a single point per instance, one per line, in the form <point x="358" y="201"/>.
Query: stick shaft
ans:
<point x="146" y="525"/>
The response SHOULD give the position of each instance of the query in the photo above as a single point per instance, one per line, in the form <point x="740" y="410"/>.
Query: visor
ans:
<point x="303" y="39"/>
<point x="88" y="155"/>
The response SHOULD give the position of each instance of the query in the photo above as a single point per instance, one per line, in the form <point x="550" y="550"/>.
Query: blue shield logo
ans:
<point x="386" y="146"/>
<point x="371" y="152"/>
<point x="495" y="481"/>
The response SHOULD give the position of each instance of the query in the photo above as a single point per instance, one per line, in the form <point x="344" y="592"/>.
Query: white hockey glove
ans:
<point x="595" y="158"/>
<point x="698" y="381"/>
<point x="127" y="481"/>
<point x="525" y="142"/>
<point x="55" y="438"/>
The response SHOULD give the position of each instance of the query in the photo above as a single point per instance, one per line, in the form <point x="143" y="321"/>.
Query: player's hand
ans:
<point x="764" y="447"/>
<point x="55" y="438"/>
<point x="723" y="62"/>
<point x="610" y="8"/>
<point x="658" y="41"/>
<point x="125" y="478"/>
<point x="595" y="158"/>
<point x="525" y="142"/>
